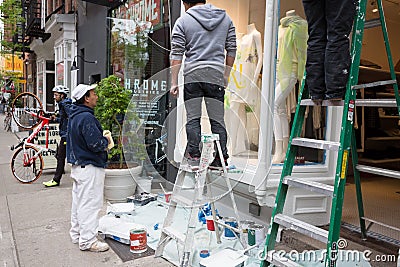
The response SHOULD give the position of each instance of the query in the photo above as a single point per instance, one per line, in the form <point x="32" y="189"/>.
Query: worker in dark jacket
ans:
<point x="86" y="151"/>
<point x="61" y="97"/>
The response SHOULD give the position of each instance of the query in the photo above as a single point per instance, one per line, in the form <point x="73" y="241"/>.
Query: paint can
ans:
<point x="228" y="233"/>
<point x="204" y="253"/>
<point x="168" y="196"/>
<point x="256" y="234"/>
<point x="244" y="226"/>
<point x="138" y="238"/>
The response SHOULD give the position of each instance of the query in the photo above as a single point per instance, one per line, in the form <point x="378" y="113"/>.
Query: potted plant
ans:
<point x="111" y="111"/>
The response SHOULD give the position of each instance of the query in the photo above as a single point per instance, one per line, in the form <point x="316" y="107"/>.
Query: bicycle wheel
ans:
<point x="22" y="108"/>
<point x="26" y="174"/>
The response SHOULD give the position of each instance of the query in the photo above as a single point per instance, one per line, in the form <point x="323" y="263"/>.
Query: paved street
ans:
<point x="34" y="221"/>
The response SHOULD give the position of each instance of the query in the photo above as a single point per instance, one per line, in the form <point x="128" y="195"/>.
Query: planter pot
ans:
<point x="120" y="183"/>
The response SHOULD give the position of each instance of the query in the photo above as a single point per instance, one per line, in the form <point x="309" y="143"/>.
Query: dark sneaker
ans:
<point x="217" y="164"/>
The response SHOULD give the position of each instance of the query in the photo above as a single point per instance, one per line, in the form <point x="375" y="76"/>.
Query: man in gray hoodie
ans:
<point x="203" y="35"/>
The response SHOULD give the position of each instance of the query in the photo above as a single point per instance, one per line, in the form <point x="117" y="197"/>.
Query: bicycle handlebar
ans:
<point x="40" y="114"/>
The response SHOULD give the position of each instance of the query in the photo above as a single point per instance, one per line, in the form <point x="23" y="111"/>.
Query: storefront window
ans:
<point x="139" y="48"/>
<point x="243" y="94"/>
<point x="69" y="51"/>
<point x="242" y="98"/>
<point x="60" y="73"/>
<point x="291" y="60"/>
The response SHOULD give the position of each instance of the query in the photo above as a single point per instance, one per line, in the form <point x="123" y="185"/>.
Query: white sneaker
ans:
<point x="99" y="246"/>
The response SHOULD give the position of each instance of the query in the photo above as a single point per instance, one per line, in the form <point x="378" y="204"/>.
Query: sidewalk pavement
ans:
<point x="34" y="221"/>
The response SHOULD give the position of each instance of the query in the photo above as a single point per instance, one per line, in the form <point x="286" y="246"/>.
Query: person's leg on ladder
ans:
<point x="193" y="97"/>
<point x="317" y="40"/>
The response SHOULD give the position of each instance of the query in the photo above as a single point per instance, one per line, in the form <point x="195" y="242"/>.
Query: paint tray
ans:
<point x="120" y="208"/>
<point x="226" y="257"/>
<point x="142" y="199"/>
<point x="117" y="229"/>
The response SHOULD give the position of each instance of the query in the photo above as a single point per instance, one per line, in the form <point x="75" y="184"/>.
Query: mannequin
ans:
<point x="243" y="84"/>
<point x="292" y="48"/>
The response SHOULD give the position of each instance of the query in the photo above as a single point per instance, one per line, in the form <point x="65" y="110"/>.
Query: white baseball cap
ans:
<point x="81" y="90"/>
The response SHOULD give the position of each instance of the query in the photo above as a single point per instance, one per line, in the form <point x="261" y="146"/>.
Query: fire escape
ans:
<point x="34" y="20"/>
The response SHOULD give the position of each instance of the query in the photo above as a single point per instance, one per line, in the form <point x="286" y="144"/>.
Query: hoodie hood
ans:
<point x="207" y="15"/>
<point x="78" y="109"/>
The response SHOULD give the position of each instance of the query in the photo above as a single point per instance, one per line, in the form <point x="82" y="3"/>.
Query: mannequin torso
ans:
<point x="247" y="66"/>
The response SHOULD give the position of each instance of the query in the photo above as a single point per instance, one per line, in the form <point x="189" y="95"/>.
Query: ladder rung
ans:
<point x="309" y="185"/>
<point x="379" y="171"/>
<point x="187" y="168"/>
<point x="381" y="224"/>
<point x="174" y="234"/>
<point x="372" y="23"/>
<point x="277" y="260"/>
<point x="318" y="144"/>
<point x="181" y="200"/>
<point x="373" y="84"/>
<point x="391" y="102"/>
<point x="325" y="103"/>
<point x="302" y="227"/>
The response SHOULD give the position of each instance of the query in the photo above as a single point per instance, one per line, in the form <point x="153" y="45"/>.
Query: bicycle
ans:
<point x="27" y="161"/>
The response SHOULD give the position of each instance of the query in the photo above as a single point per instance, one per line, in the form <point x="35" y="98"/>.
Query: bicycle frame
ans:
<point x="28" y="160"/>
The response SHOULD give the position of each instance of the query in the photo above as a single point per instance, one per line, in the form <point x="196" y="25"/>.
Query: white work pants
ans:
<point x="87" y="200"/>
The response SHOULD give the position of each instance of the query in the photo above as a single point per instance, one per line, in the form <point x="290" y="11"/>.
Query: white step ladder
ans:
<point x="202" y="177"/>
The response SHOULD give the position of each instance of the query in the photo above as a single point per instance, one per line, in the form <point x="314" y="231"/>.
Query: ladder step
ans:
<point x="309" y="185"/>
<point x="378" y="171"/>
<point x="373" y="84"/>
<point x="318" y="144"/>
<point x="181" y="200"/>
<point x="277" y="260"/>
<point x="372" y="23"/>
<point x="382" y="102"/>
<point x="187" y="168"/>
<point x="381" y="224"/>
<point x="174" y="234"/>
<point x="302" y="227"/>
<point x="324" y="103"/>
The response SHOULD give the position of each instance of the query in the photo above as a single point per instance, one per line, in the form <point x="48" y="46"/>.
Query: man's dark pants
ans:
<point x="328" y="56"/>
<point x="213" y="95"/>
<point x="60" y="156"/>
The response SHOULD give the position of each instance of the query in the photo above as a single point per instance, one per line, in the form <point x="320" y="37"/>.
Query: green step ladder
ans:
<point x="346" y="145"/>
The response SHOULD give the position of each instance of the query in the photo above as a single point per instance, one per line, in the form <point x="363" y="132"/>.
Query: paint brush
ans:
<point x="162" y="187"/>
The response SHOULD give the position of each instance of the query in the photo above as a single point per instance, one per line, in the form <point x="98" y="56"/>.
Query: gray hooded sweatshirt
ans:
<point x="203" y="34"/>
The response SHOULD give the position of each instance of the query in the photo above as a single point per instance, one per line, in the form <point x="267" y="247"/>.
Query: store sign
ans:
<point x="146" y="10"/>
<point x="146" y="95"/>
<point x="13" y="63"/>
<point x="50" y="161"/>
<point x="152" y="87"/>
<point x="142" y="10"/>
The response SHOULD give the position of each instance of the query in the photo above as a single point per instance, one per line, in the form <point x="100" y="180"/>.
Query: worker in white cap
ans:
<point x="86" y="151"/>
